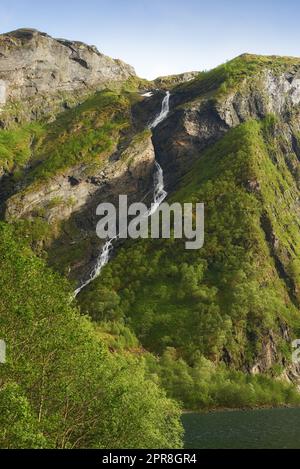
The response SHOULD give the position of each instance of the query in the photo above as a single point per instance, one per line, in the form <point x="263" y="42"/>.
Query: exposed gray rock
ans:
<point x="2" y="92"/>
<point x="268" y="355"/>
<point x="165" y="82"/>
<point x="73" y="197"/>
<point x="35" y="67"/>
<point x="70" y="192"/>
<point x="192" y="125"/>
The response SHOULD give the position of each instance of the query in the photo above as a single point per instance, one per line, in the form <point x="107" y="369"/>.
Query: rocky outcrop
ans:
<point x="194" y="124"/>
<point x="127" y="173"/>
<point x="172" y="80"/>
<point x="48" y="73"/>
<point x="71" y="199"/>
<point x="179" y="140"/>
<point x="268" y="94"/>
<point x="269" y="355"/>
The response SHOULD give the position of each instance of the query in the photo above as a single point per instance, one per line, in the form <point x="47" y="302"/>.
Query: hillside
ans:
<point x="61" y="387"/>
<point x="231" y="143"/>
<point x="213" y="327"/>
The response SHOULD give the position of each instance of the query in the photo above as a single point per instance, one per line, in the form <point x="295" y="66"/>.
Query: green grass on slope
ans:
<point x="207" y="385"/>
<point x="16" y="145"/>
<point x="85" y="134"/>
<point x="224" y="301"/>
<point x="228" y="76"/>
<point x="60" y="386"/>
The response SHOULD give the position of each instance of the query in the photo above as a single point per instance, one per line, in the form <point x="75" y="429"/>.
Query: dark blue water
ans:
<point x="266" y="428"/>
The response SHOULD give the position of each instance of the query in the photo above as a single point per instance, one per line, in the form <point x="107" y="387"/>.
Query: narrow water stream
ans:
<point x="159" y="196"/>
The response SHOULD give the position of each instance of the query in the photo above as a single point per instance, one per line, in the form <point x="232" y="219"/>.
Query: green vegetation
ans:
<point x="16" y="145"/>
<point x="68" y="248"/>
<point x="221" y="303"/>
<point x="199" y="324"/>
<point x="225" y="78"/>
<point x="207" y="385"/>
<point x="60" y="386"/>
<point x="36" y="232"/>
<point x="83" y="135"/>
<point x="134" y="84"/>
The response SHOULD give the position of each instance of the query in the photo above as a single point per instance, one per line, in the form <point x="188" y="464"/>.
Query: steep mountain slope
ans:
<point x="52" y="167"/>
<point x="40" y="75"/>
<point x="247" y="226"/>
<point x="57" y="167"/>
<point x="236" y="301"/>
<point x="219" y="320"/>
<point x="60" y="386"/>
<point x="204" y="109"/>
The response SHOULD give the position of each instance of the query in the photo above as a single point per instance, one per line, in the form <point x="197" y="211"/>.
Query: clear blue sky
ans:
<point x="160" y="37"/>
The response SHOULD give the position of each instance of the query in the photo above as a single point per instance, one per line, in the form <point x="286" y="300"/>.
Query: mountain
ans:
<point x="213" y="327"/>
<point x="230" y="141"/>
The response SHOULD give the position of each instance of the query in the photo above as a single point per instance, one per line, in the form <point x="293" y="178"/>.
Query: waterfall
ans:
<point x="165" y="108"/>
<point x="159" y="192"/>
<point x="102" y="260"/>
<point x="158" y="197"/>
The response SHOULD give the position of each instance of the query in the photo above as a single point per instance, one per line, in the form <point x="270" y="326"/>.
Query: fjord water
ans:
<point x="158" y="197"/>
<point x="261" y="429"/>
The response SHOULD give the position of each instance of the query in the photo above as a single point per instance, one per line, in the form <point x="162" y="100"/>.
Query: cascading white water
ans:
<point x="159" y="196"/>
<point x="165" y="109"/>
<point x="102" y="260"/>
<point x="159" y="190"/>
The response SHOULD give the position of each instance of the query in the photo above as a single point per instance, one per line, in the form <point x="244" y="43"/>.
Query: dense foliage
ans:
<point x="60" y="386"/>
<point x="228" y="302"/>
<point x="208" y="385"/>
<point x="85" y="134"/>
<point x="15" y="145"/>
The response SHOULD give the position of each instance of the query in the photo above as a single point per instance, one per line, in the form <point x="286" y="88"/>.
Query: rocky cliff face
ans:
<point x="48" y="73"/>
<point x="170" y="81"/>
<point x="40" y="76"/>
<point x="68" y="203"/>
<point x="128" y="173"/>
<point x="197" y="122"/>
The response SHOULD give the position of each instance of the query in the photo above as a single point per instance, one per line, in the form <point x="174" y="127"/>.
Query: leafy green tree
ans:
<point x="72" y="392"/>
<point x="19" y="425"/>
